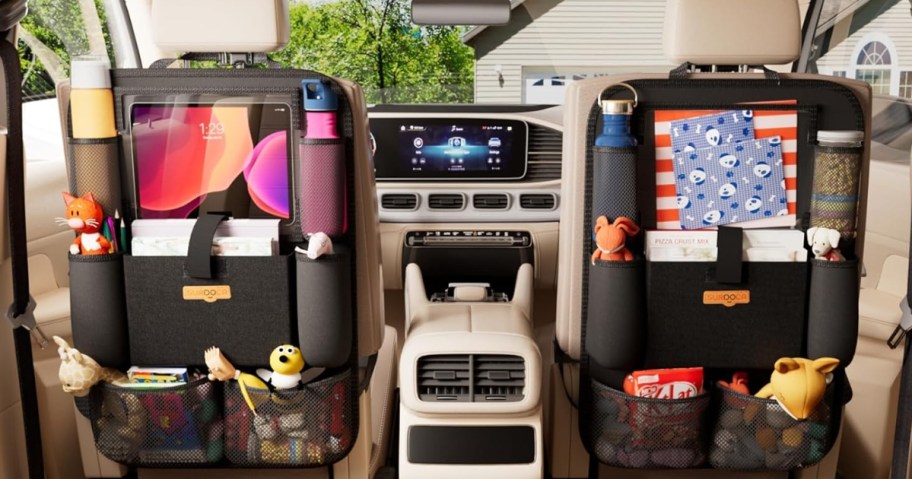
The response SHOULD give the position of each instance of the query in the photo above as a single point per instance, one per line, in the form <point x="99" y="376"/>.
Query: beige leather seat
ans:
<point x="871" y="416"/>
<point x="705" y="32"/>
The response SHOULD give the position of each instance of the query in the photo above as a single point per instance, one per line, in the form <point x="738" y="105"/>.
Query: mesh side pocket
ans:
<point x="308" y="427"/>
<point x="323" y="187"/>
<point x="158" y="427"/>
<point x="93" y="166"/>
<point x="614" y="183"/>
<point x="754" y="434"/>
<point x="642" y="433"/>
<point x="834" y="202"/>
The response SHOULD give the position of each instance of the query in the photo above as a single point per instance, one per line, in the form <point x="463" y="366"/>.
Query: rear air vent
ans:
<point x="490" y="202"/>
<point x="445" y="378"/>
<point x="399" y="201"/>
<point x="537" y="201"/>
<point x="471" y="378"/>
<point x="446" y="202"/>
<point x="498" y="378"/>
<point x="545" y="155"/>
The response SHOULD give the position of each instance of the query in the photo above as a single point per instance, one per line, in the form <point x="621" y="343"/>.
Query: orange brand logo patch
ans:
<point x="209" y="294"/>
<point x="727" y="298"/>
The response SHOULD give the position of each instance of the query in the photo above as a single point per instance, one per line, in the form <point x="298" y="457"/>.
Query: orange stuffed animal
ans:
<point x="85" y="216"/>
<point x="611" y="239"/>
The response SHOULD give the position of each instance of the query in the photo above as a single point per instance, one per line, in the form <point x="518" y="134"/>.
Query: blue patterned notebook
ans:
<point x="706" y="131"/>
<point x="731" y="183"/>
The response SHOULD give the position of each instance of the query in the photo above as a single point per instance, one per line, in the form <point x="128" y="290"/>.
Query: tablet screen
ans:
<point x="225" y="157"/>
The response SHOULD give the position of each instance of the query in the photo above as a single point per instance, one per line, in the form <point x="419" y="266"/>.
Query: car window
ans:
<point x="870" y="41"/>
<point x="53" y="32"/>
<point x="530" y="60"/>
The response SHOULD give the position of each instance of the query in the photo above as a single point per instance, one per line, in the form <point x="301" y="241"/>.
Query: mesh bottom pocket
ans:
<point x="158" y="427"/>
<point x="754" y="434"/>
<point x="642" y="433"/>
<point x="306" y="427"/>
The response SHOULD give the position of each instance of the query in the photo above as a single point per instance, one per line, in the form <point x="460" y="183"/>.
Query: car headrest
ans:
<point x="732" y="32"/>
<point x="222" y="26"/>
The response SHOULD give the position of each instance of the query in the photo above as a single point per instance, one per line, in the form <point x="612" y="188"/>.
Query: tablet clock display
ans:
<point x="190" y="159"/>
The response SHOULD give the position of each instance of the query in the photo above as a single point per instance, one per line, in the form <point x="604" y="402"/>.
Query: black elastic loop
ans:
<point x="729" y="261"/>
<point x="683" y="71"/>
<point x="212" y="57"/>
<point x="199" y="254"/>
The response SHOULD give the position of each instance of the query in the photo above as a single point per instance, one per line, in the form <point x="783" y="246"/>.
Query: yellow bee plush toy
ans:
<point x="286" y="362"/>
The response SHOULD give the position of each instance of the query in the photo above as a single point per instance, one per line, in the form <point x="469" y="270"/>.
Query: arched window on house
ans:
<point x="875" y="66"/>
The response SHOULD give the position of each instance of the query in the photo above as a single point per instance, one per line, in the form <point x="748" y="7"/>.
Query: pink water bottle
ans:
<point x="323" y="202"/>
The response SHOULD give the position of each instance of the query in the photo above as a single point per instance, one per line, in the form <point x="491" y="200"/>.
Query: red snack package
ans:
<point x="676" y="383"/>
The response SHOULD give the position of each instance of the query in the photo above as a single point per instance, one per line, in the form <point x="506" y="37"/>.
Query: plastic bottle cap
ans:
<point x="617" y="107"/>
<point x="840" y="136"/>
<point x="90" y="72"/>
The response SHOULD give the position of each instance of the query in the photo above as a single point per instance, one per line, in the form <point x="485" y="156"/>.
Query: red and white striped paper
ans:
<point x="767" y="123"/>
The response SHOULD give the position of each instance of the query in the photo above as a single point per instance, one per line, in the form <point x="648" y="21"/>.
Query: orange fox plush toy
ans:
<point x="85" y="216"/>
<point x="611" y="239"/>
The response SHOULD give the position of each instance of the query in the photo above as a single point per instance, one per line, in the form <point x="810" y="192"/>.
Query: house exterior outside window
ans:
<point x="874" y="64"/>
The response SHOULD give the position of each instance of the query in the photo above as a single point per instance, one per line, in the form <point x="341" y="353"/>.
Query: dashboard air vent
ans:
<point x="490" y="202"/>
<point x="446" y="202"/>
<point x="537" y="202"/>
<point x="499" y="378"/>
<point x="445" y="377"/>
<point x="405" y="201"/>
<point x="545" y="145"/>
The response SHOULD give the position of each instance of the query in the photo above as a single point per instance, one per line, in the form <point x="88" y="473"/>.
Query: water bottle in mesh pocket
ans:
<point x="614" y="183"/>
<point x="93" y="166"/>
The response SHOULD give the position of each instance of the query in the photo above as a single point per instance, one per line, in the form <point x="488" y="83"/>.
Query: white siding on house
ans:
<point x="892" y="28"/>
<point x="575" y="36"/>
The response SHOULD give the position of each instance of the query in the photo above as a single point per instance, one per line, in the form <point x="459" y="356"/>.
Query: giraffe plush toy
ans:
<point x="78" y="372"/>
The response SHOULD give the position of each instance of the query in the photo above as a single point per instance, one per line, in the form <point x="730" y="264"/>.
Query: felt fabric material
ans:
<point x="835" y="197"/>
<point x="616" y="327"/>
<point x="683" y="331"/>
<point x="324" y="308"/>
<point x="833" y="310"/>
<point x="167" y="330"/>
<point x="98" y="312"/>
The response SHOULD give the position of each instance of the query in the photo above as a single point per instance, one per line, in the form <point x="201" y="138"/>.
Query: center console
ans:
<point x="470" y="381"/>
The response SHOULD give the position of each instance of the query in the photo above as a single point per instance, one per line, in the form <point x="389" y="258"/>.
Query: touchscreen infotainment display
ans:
<point x="192" y="159"/>
<point x="449" y="149"/>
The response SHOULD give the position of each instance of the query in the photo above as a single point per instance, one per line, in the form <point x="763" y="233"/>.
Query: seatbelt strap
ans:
<point x="904" y="405"/>
<point x="21" y="311"/>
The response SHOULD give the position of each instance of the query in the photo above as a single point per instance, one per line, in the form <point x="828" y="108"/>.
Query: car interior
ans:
<point x="417" y="239"/>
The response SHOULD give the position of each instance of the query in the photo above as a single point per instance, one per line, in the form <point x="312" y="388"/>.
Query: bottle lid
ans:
<point x="90" y="72"/>
<point x="618" y="107"/>
<point x="840" y="136"/>
<point x="319" y="96"/>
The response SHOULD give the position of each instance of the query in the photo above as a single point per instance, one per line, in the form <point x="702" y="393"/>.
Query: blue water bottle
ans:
<point x="614" y="161"/>
<point x="616" y="124"/>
